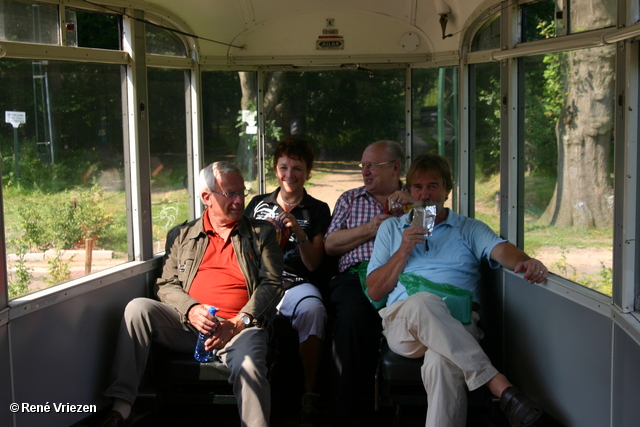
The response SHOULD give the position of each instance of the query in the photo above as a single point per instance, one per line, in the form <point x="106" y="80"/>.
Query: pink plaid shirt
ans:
<point x="354" y="208"/>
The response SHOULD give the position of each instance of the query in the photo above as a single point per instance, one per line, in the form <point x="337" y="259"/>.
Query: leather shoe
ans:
<point x="519" y="409"/>
<point x="115" y="419"/>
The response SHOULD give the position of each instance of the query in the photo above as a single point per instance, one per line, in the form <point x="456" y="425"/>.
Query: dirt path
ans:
<point x="333" y="182"/>
<point x="578" y="261"/>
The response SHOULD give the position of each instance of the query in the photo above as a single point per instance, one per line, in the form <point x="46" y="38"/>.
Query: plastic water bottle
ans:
<point x="202" y="355"/>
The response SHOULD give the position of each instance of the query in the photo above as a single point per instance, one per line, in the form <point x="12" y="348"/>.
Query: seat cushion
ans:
<point x="394" y="367"/>
<point x="182" y="367"/>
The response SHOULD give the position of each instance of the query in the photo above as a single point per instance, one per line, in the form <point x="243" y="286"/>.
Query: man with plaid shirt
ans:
<point x="357" y="215"/>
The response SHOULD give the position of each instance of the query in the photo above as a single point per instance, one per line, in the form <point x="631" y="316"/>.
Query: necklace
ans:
<point x="290" y="204"/>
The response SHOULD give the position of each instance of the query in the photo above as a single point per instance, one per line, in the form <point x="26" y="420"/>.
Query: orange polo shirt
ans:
<point x="219" y="280"/>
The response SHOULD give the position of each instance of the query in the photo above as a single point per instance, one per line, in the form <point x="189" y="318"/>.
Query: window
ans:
<point x="168" y="149"/>
<point x="568" y="122"/>
<point x="488" y="36"/>
<point x="163" y="42"/>
<point x="91" y="29"/>
<point x="587" y="15"/>
<point x="435" y="113"/>
<point x="485" y="134"/>
<point x="29" y="22"/>
<point x="63" y="185"/>
<point x="230" y="132"/>
<point x="339" y="113"/>
<point x="539" y="21"/>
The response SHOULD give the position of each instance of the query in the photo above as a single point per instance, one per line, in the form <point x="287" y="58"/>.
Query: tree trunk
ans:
<point x="584" y="196"/>
<point x="247" y="146"/>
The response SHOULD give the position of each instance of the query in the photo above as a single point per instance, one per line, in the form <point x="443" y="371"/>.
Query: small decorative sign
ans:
<point x="16" y="118"/>
<point x="330" y="43"/>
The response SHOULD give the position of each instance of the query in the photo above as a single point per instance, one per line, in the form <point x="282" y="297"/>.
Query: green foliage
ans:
<point x="601" y="282"/>
<point x="23" y="274"/>
<point x="59" y="269"/>
<point x="544" y="101"/>
<point x="336" y="120"/>
<point x="70" y="170"/>
<point x="488" y="120"/>
<point x="65" y="219"/>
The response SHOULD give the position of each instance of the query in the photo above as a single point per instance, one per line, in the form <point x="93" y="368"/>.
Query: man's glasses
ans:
<point x="233" y="194"/>
<point x="373" y="166"/>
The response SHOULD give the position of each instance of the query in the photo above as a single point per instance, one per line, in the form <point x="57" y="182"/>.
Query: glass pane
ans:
<point x="435" y="113"/>
<point x="586" y="15"/>
<point x="486" y="137"/>
<point x="29" y="22"/>
<point x="92" y="29"/>
<point x="339" y="113"/>
<point x="488" y="37"/>
<point x="163" y="42"/>
<point x="569" y="117"/>
<point x="62" y="171"/>
<point x="168" y="136"/>
<point x="230" y="132"/>
<point x="539" y="21"/>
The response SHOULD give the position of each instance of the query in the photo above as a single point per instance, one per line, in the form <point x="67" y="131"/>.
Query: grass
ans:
<point x="557" y="243"/>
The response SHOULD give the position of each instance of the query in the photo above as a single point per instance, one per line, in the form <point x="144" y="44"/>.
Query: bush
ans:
<point x="66" y="219"/>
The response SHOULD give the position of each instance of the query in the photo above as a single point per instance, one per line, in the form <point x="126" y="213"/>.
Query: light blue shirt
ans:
<point x="456" y="250"/>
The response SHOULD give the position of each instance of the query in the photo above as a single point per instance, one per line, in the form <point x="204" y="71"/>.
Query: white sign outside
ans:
<point x="16" y="118"/>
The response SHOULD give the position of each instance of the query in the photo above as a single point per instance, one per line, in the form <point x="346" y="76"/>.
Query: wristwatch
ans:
<point x="299" y="242"/>
<point x="246" y="320"/>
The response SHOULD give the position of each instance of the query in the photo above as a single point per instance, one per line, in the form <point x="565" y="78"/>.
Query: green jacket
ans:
<point x="258" y="254"/>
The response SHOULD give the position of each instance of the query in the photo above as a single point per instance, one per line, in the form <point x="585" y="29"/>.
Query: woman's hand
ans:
<point x="288" y="220"/>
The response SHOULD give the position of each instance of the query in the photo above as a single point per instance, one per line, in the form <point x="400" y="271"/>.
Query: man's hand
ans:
<point x="202" y="320"/>
<point x="534" y="270"/>
<point x="401" y="196"/>
<point x="222" y="335"/>
<point x="412" y="236"/>
<point x="374" y="224"/>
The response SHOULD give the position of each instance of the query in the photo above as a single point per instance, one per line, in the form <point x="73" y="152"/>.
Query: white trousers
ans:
<point x="303" y="306"/>
<point x="422" y="325"/>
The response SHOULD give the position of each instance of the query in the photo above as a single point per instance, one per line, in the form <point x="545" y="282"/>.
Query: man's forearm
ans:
<point x="381" y="281"/>
<point x="340" y="242"/>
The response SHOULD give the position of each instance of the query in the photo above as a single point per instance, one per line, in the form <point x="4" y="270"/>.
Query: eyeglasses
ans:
<point x="373" y="166"/>
<point x="233" y="194"/>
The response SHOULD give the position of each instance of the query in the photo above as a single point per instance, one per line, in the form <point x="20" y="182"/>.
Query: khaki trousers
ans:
<point x="422" y="325"/>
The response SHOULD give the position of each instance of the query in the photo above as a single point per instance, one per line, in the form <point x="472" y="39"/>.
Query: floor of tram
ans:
<point x="149" y="414"/>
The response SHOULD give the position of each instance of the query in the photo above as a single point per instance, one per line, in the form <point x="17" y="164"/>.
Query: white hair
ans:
<point x="210" y="173"/>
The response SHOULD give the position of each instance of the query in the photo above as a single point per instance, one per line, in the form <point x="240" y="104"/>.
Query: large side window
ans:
<point x="484" y="131"/>
<point x="568" y="122"/>
<point x="485" y="134"/>
<point x="62" y="171"/>
<point x="168" y="149"/>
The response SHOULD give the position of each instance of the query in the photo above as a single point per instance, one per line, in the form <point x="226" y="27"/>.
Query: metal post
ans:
<point x="15" y="152"/>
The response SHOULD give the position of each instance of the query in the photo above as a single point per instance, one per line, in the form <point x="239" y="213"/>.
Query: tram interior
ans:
<point x="112" y="107"/>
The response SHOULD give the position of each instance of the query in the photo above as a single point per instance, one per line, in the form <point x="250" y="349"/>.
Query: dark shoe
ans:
<point x="309" y="414"/>
<point x="115" y="419"/>
<point x="519" y="409"/>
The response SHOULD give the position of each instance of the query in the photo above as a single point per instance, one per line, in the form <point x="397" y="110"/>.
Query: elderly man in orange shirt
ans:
<point x="223" y="259"/>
